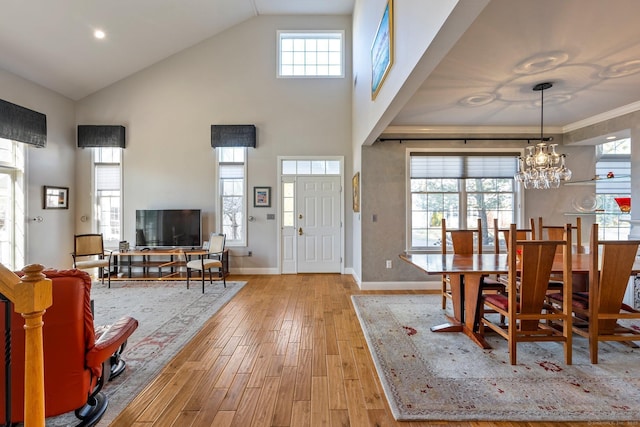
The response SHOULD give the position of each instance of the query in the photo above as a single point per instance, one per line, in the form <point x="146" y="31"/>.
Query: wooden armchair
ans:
<point x="596" y="312"/>
<point x="527" y="313"/>
<point x="464" y="242"/>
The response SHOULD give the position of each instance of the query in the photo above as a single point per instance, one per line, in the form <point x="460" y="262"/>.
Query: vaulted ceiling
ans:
<point x="588" y="49"/>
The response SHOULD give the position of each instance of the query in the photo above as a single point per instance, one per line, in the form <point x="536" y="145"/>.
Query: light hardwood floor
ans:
<point x="286" y="351"/>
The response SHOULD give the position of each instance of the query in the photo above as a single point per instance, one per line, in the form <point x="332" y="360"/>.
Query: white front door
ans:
<point x="318" y="233"/>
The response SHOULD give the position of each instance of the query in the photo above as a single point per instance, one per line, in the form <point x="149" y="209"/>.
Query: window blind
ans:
<point x="481" y="165"/>
<point x="621" y="168"/>
<point x="231" y="171"/>
<point x="108" y="177"/>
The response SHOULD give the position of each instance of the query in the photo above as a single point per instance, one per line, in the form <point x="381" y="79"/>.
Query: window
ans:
<point x="107" y="165"/>
<point x="615" y="157"/>
<point x="12" y="201"/>
<point x="460" y="189"/>
<point x="311" y="54"/>
<point x="232" y="172"/>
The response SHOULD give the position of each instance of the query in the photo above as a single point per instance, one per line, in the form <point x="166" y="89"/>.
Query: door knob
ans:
<point x="300" y="231"/>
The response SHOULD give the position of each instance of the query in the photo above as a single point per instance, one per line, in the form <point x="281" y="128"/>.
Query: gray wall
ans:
<point x="383" y="181"/>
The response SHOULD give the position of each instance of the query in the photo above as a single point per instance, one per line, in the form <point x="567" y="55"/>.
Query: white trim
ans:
<point x="617" y="112"/>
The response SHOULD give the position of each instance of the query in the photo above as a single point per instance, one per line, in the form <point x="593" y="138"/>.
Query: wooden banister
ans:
<point x="31" y="296"/>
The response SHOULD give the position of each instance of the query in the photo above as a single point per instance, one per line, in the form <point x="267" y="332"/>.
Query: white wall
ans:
<point x="229" y="79"/>
<point x="49" y="242"/>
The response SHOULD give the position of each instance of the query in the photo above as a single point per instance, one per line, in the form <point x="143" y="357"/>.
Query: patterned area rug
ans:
<point x="169" y="315"/>
<point x="444" y="376"/>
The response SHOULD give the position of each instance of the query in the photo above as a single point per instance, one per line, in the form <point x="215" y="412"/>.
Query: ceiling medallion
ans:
<point x="477" y="100"/>
<point x="621" y="69"/>
<point x="541" y="62"/>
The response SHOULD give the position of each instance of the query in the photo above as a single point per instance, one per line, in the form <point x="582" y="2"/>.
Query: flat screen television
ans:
<point x="170" y="228"/>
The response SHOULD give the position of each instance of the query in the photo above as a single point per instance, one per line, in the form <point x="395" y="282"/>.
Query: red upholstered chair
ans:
<point x="77" y="358"/>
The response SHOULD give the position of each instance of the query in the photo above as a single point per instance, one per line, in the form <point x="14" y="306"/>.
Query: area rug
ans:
<point x="444" y="376"/>
<point x="169" y="315"/>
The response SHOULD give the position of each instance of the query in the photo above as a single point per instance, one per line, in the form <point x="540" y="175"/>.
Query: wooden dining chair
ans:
<point x="596" y="312"/>
<point x="554" y="232"/>
<point x="464" y="242"/>
<point x="525" y="308"/>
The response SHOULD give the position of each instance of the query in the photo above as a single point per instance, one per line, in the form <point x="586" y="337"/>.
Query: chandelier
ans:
<point x="542" y="167"/>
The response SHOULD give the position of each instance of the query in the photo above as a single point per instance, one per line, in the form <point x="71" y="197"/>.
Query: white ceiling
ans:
<point x="589" y="49"/>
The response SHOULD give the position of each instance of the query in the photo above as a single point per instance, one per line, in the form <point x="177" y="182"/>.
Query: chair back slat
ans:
<point x="532" y="273"/>
<point x="464" y="242"/>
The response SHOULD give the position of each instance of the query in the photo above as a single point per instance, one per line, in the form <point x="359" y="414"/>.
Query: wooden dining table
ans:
<point x="465" y="273"/>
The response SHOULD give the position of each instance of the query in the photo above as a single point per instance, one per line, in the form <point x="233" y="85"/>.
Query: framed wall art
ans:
<point x="382" y="50"/>
<point x="261" y="197"/>
<point x="55" y="197"/>
<point x="356" y="192"/>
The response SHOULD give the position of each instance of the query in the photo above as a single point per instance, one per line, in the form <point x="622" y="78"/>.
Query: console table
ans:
<point x="167" y="261"/>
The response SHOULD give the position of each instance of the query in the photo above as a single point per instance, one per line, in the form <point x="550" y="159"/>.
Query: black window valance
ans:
<point x="101" y="136"/>
<point x="233" y="136"/>
<point x="22" y="124"/>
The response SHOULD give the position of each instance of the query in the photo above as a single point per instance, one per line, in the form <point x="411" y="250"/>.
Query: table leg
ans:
<point x="473" y="292"/>
<point x="456" y="322"/>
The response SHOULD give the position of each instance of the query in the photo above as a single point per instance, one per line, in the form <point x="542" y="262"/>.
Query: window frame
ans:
<point x="15" y="169"/>
<point x="96" y="162"/>
<point x="518" y="193"/>
<point x="220" y="183"/>
<point x="610" y="213"/>
<point x="311" y="34"/>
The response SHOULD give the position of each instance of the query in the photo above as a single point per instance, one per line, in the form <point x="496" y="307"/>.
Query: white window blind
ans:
<point x="108" y="177"/>
<point x="231" y="171"/>
<point x="426" y="165"/>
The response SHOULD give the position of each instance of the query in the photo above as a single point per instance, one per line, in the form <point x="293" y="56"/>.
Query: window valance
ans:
<point x="101" y="136"/>
<point x="22" y="124"/>
<point x="233" y="136"/>
<point x="480" y="165"/>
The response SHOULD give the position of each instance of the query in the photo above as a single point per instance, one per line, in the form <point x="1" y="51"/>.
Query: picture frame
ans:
<point x="382" y="50"/>
<point x="356" y="192"/>
<point x="55" y="197"/>
<point x="261" y="197"/>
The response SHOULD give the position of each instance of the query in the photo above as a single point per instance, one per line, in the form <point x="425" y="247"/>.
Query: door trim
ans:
<point x="278" y="196"/>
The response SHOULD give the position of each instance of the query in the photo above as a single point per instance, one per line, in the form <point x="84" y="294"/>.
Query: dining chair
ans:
<point x="213" y="259"/>
<point x="596" y="312"/>
<point x="554" y="232"/>
<point x="464" y="242"/>
<point x="89" y="253"/>
<point x="524" y="306"/>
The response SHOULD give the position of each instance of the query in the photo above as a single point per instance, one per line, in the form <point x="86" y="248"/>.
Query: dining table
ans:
<point x="466" y="272"/>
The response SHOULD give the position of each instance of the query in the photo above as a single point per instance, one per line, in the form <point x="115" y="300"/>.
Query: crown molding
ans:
<point x="608" y="115"/>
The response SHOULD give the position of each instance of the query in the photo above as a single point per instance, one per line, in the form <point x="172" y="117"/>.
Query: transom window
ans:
<point x="310" y="167"/>
<point x="311" y="54"/>
<point x="460" y="189"/>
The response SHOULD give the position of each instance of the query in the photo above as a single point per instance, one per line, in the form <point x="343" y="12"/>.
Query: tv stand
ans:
<point x="159" y="264"/>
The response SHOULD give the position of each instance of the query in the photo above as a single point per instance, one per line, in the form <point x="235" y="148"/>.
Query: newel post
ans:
<point x="33" y="295"/>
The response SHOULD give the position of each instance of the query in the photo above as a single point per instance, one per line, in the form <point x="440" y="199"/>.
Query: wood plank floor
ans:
<point x="286" y="351"/>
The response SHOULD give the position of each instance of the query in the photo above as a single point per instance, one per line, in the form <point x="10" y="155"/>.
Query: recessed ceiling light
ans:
<point x="610" y="138"/>
<point x="99" y="34"/>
